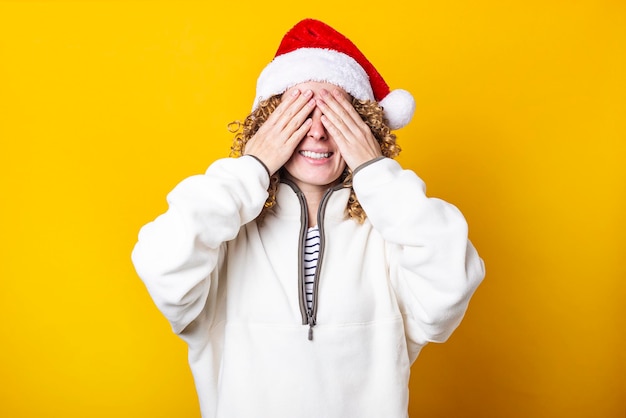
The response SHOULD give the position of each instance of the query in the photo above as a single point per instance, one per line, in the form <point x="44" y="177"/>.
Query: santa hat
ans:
<point x="313" y="51"/>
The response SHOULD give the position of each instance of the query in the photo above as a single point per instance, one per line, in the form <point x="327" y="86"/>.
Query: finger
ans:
<point x="290" y="107"/>
<point x="342" y="107"/>
<point x="300" y="117"/>
<point x="335" y="132"/>
<point x="341" y="118"/>
<point x="281" y="123"/>
<point x="336" y="124"/>
<point x="297" y="136"/>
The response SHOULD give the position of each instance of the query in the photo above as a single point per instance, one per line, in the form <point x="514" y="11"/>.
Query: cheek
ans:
<point x="340" y="159"/>
<point x="341" y="166"/>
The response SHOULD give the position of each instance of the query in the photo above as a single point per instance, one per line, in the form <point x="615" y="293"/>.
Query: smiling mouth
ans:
<point x="315" y="155"/>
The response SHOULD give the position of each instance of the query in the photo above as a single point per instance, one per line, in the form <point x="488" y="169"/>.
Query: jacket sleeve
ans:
<point x="177" y="254"/>
<point x="433" y="266"/>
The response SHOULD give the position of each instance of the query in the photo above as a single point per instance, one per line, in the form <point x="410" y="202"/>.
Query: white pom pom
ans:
<point x="399" y="107"/>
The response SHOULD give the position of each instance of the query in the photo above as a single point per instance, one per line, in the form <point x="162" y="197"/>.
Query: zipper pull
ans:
<point x="311" y="325"/>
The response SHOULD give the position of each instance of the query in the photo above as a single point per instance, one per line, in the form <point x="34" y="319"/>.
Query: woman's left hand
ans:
<point x="353" y="137"/>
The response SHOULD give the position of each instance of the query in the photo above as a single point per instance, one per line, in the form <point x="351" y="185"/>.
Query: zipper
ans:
<point x="320" y="225"/>
<point x="309" y="316"/>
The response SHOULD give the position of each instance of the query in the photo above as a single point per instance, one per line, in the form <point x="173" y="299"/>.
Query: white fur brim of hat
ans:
<point x="325" y="65"/>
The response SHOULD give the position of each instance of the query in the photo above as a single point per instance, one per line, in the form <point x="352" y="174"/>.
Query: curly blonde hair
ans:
<point x="371" y="113"/>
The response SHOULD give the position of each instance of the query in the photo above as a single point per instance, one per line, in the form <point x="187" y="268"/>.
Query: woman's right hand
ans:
<point x="278" y="137"/>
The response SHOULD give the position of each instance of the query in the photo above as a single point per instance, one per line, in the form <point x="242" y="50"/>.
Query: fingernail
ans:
<point x="295" y="92"/>
<point x="308" y="93"/>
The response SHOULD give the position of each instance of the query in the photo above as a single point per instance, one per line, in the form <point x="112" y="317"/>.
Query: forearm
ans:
<point x="433" y="266"/>
<point x="177" y="252"/>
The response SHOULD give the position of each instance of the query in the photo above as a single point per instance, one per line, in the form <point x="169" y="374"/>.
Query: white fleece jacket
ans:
<point x="232" y="289"/>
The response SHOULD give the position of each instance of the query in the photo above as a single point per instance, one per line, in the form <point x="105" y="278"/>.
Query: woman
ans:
<point x="307" y="271"/>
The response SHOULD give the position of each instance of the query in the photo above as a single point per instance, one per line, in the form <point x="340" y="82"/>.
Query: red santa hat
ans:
<point x="313" y="51"/>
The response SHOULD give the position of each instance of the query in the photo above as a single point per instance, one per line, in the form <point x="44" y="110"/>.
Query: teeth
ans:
<point x="315" y="155"/>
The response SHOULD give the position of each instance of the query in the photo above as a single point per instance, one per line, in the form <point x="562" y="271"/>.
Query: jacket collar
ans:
<point x="288" y="202"/>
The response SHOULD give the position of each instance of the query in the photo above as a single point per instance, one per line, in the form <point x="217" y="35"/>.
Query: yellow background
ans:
<point x="520" y="122"/>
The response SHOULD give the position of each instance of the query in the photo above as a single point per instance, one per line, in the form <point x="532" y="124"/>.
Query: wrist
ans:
<point x="269" y="174"/>
<point x="366" y="163"/>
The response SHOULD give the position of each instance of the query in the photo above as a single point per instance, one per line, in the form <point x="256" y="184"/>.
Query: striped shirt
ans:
<point x="311" y="255"/>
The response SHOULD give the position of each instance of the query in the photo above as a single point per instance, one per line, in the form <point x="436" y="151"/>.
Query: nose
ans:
<point x="317" y="130"/>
